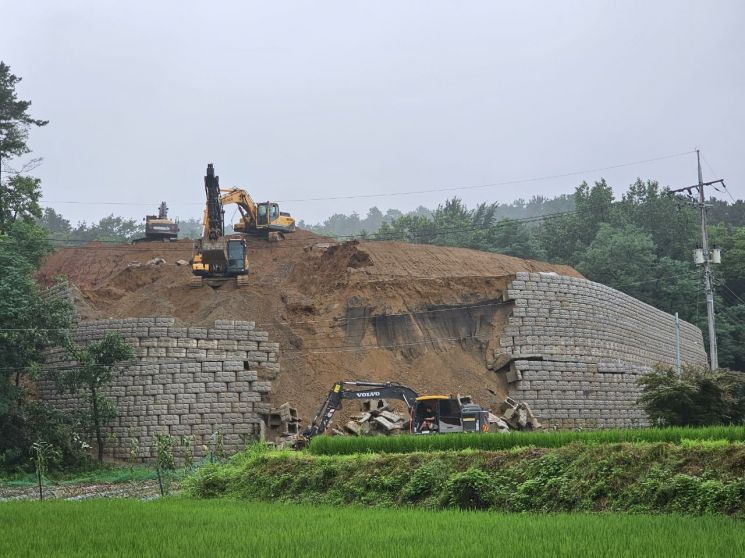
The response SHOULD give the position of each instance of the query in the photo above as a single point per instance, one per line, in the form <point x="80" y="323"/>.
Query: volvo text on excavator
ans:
<point x="217" y="258"/>
<point x="429" y="414"/>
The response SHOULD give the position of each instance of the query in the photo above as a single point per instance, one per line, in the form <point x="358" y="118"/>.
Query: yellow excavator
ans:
<point x="264" y="219"/>
<point x="217" y="258"/>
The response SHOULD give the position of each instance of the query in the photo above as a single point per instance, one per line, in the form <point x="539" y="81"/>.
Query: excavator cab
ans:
<point x="262" y="214"/>
<point x="237" y="263"/>
<point x="267" y="214"/>
<point x="444" y="413"/>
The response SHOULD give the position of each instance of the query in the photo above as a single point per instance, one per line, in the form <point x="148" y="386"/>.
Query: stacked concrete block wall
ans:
<point x="577" y="349"/>
<point x="186" y="381"/>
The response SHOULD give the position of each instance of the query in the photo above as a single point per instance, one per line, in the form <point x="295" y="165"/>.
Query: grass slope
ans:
<point x="705" y="478"/>
<point x="347" y="445"/>
<point x="184" y="527"/>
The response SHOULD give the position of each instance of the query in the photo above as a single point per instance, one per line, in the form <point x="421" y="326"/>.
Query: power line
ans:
<point x="423" y="191"/>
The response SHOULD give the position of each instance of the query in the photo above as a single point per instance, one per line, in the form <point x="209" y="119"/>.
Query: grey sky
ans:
<point x="299" y="100"/>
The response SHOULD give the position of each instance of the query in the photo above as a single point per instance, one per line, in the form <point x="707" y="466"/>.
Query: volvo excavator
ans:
<point x="430" y="414"/>
<point x="217" y="258"/>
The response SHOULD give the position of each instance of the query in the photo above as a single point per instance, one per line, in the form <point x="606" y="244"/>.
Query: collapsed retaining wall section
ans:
<point x="186" y="381"/>
<point x="574" y="350"/>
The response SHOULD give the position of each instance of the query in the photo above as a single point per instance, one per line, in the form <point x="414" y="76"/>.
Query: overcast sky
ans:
<point x="297" y="100"/>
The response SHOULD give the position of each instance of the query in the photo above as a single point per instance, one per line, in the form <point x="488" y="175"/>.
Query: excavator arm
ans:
<point x="358" y="391"/>
<point x="243" y="200"/>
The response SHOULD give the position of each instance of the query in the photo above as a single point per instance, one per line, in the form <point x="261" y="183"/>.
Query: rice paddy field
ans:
<point x="185" y="527"/>
<point x="347" y="445"/>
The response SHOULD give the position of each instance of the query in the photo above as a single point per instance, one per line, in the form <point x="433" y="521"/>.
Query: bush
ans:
<point x="34" y="421"/>
<point x="697" y="397"/>
<point x="469" y="490"/>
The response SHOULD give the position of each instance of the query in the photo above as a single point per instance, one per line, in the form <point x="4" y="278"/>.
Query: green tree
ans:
<point x="15" y="123"/>
<point x="31" y="321"/>
<point x="695" y="398"/>
<point x="108" y="228"/>
<point x="565" y="239"/>
<point x="98" y="364"/>
<point x="619" y="256"/>
<point x="19" y="201"/>
<point x="54" y="222"/>
<point x="672" y="224"/>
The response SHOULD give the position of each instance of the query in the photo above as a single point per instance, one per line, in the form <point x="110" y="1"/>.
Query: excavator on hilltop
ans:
<point x="263" y="219"/>
<point x="159" y="228"/>
<point x="217" y="258"/>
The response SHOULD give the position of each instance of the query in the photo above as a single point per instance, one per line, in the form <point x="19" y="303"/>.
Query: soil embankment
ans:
<point x="703" y="478"/>
<point x="386" y="311"/>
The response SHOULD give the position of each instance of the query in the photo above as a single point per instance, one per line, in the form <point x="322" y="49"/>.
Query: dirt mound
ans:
<point x="421" y="315"/>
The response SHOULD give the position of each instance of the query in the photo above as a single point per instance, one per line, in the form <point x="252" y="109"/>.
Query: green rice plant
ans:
<point x="43" y="453"/>
<point x="406" y="443"/>
<point x="187" y="442"/>
<point x="126" y="528"/>
<point x="164" y="461"/>
<point x="133" y="442"/>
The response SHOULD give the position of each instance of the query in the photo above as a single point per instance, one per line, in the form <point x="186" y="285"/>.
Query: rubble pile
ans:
<point x="283" y="424"/>
<point x="518" y="415"/>
<point x="377" y="418"/>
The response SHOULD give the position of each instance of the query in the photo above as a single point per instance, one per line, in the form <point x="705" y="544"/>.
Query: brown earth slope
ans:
<point x="418" y="314"/>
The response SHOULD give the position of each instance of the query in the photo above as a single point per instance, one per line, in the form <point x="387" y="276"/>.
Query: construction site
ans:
<point x="308" y="311"/>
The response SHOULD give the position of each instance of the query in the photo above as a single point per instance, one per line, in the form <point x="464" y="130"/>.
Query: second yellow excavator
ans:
<point x="258" y="218"/>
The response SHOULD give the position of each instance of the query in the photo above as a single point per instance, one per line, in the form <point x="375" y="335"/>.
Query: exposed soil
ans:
<point x="421" y="315"/>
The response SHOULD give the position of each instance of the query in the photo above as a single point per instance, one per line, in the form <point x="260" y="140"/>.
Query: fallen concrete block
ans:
<point x="385" y="423"/>
<point x="522" y="418"/>
<point x="352" y="427"/>
<point x="393" y="417"/>
<point x="156" y="261"/>
<point x="375" y="405"/>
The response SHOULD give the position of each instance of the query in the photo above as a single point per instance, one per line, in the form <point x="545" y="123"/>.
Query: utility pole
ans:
<point x="677" y="345"/>
<point x="703" y="256"/>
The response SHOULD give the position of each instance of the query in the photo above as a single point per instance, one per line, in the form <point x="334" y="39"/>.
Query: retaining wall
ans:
<point x="185" y="381"/>
<point x="577" y="349"/>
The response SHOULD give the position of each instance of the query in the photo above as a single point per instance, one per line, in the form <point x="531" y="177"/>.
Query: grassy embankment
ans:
<point x="347" y="445"/>
<point x="706" y="477"/>
<point x="181" y="527"/>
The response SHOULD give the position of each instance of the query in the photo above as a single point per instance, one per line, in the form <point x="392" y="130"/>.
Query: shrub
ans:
<point x="697" y="397"/>
<point x="469" y="490"/>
